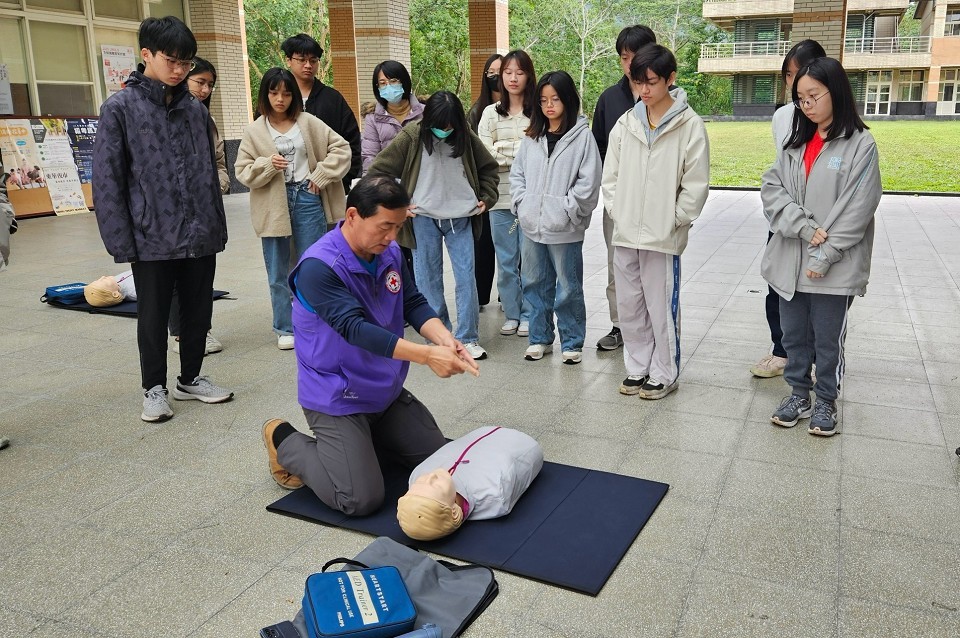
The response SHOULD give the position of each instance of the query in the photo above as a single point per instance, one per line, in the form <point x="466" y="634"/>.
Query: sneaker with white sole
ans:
<point x="155" y="405"/>
<point x="572" y="357"/>
<point x="212" y="345"/>
<point x="632" y="384"/>
<point x="202" y="389"/>
<point x="475" y="350"/>
<point x="523" y="330"/>
<point x="285" y="342"/>
<point x="611" y="341"/>
<point x="654" y="389"/>
<point x="791" y="410"/>
<point x="509" y="327"/>
<point x="768" y="367"/>
<point x="824" y="419"/>
<point x="536" y="351"/>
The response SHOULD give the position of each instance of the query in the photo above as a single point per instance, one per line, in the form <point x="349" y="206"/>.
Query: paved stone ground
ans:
<point x="111" y="527"/>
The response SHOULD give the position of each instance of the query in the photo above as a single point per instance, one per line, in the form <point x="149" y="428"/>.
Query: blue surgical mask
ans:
<point x="392" y="93"/>
<point x="440" y="133"/>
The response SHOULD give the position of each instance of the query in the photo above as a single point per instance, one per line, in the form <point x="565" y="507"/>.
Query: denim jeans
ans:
<point x="553" y="282"/>
<point x="507" y="240"/>
<point x="309" y="223"/>
<point x="457" y="234"/>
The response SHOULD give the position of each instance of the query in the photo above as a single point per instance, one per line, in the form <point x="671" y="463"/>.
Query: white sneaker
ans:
<point x="212" y="345"/>
<point x="475" y="350"/>
<point x="509" y="327"/>
<point x="155" y="405"/>
<point x="536" y="351"/>
<point x="202" y="389"/>
<point x="285" y="342"/>
<point x="572" y="357"/>
<point x="523" y="330"/>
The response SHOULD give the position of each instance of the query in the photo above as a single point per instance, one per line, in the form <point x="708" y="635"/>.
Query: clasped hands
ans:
<point x="819" y="236"/>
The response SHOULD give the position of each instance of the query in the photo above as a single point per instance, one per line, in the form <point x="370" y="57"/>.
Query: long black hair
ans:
<point x="802" y="54"/>
<point x="203" y="66"/>
<point x="530" y="89"/>
<point x="566" y="90"/>
<point x="392" y="70"/>
<point x="443" y="110"/>
<point x="486" y="95"/>
<point x="846" y="120"/>
<point x="272" y="79"/>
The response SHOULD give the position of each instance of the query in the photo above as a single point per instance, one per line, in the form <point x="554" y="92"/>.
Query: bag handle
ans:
<point x="343" y="561"/>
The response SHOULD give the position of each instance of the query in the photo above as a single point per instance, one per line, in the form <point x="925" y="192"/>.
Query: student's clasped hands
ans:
<point x="819" y="237"/>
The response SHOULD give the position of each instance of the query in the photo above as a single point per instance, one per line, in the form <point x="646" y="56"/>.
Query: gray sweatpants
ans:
<point x="611" y="280"/>
<point x="814" y="329"/>
<point x="340" y="461"/>
<point x="648" y="298"/>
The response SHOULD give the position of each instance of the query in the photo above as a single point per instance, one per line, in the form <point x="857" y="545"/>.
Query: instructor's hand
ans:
<point x="446" y="361"/>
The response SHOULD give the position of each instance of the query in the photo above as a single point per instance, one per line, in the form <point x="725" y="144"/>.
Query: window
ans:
<point x="64" y="84"/>
<point x="160" y="8"/>
<point x="117" y="9"/>
<point x="911" y="86"/>
<point x="60" y="5"/>
<point x="949" y="79"/>
<point x="13" y="55"/>
<point x="952" y="25"/>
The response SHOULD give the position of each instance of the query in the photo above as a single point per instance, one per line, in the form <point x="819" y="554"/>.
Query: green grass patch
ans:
<point x="914" y="155"/>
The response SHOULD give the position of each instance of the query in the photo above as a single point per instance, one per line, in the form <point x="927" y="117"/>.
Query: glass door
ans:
<point x="878" y="93"/>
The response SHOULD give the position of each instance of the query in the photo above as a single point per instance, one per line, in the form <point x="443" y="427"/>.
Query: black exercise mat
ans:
<point x="571" y="528"/>
<point x="122" y="309"/>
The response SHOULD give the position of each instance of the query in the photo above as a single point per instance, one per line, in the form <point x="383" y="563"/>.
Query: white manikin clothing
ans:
<point x="493" y="474"/>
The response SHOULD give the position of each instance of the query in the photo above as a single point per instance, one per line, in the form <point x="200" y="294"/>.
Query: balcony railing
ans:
<point x="915" y="44"/>
<point x="744" y="49"/>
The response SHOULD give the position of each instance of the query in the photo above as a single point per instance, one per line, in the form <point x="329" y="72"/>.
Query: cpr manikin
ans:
<point x="109" y="291"/>
<point x="480" y="475"/>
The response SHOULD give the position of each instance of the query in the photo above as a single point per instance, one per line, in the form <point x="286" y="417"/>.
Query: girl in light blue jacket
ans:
<point x="554" y="187"/>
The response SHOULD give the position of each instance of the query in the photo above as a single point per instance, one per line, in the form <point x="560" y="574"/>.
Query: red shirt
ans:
<point x="813" y="148"/>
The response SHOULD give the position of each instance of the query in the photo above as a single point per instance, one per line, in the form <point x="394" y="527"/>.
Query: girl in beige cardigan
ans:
<point x="293" y="164"/>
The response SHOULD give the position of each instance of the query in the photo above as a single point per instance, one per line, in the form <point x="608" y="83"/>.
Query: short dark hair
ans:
<point x="393" y="70"/>
<point x="653" y="57"/>
<point x="846" y="120"/>
<point x="802" y="54"/>
<point x="374" y="191"/>
<point x="169" y="36"/>
<point x="272" y="79"/>
<point x="203" y="66"/>
<point x="302" y="44"/>
<point x="444" y="109"/>
<point x="529" y="97"/>
<point x="566" y="90"/>
<point x="635" y="38"/>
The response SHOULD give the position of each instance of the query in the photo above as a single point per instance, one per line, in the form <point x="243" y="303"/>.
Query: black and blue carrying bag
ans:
<point x="66" y="294"/>
<point x="360" y="602"/>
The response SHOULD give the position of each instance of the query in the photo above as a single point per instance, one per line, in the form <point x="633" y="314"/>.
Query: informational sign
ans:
<point x="82" y="133"/>
<point x="53" y="145"/>
<point x="6" y="96"/>
<point x="66" y="193"/>
<point x="20" y="152"/>
<point x="118" y="63"/>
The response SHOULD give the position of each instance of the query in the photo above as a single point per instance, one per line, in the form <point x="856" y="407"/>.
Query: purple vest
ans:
<point x="334" y="377"/>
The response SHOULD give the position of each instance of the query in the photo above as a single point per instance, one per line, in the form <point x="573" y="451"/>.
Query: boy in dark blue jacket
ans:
<point x="157" y="198"/>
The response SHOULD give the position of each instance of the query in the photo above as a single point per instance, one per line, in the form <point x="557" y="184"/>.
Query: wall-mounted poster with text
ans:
<point x="118" y="63"/>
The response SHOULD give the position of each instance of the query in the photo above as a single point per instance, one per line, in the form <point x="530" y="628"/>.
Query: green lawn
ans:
<point x="914" y="155"/>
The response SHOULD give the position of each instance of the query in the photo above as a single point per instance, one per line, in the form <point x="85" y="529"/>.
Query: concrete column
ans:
<point x="823" y="21"/>
<point x="222" y="39"/>
<point x="382" y="33"/>
<point x="489" y="34"/>
<point x="343" y="42"/>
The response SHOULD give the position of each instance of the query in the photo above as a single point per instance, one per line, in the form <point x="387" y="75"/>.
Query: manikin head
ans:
<point x="102" y="293"/>
<point x="429" y="509"/>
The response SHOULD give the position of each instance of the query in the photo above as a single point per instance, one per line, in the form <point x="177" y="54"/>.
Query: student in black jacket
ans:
<point x="322" y="101"/>
<point x="613" y="103"/>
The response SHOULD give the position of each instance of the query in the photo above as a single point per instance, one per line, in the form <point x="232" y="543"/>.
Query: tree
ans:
<point x="440" y="47"/>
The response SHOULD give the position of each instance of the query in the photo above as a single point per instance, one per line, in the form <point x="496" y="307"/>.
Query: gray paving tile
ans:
<point x="946" y="398"/>
<point x="683" y="431"/>
<point x="677" y="530"/>
<point x="939" y="373"/>
<point x="898" y="393"/>
<point x="795" y="552"/>
<point x="867" y="619"/>
<point x="56" y="629"/>
<point x="723" y="604"/>
<point x="898" y="424"/>
<point x="619" y="418"/>
<point x="798" y="492"/>
<point x="937" y="351"/>
<point x="14" y="621"/>
<point x="899" y="570"/>
<point x="584" y="451"/>
<point x="901" y="508"/>
<point x="763" y="441"/>
<point x="692" y="475"/>
<point x="894" y="460"/>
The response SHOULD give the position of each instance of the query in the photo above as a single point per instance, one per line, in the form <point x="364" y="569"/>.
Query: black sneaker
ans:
<point x="792" y="409"/>
<point x="611" y="341"/>
<point x="654" y="389"/>
<point x="631" y="385"/>
<point x="824" y="421"/>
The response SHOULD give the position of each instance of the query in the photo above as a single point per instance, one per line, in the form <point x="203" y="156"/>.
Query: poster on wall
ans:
<point x="118" y="63"/>
<point x="6" y="96"/>
<point x="66" y="192"/>
<point x="53" y="145"/>
<point x="82" y="133"/>
<point x="21" y="155"/>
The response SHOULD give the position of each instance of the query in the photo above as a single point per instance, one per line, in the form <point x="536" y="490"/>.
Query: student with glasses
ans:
<point x="158" y="203"/>
<point x="303" y="55"/>
<point x="820" y="198"/>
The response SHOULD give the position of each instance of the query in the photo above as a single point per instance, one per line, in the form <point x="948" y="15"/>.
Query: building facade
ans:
<point x="916" y="75"/>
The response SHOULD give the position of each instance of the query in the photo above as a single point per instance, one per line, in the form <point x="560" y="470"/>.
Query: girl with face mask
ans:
<point x="397" y="106"/>
<point x="451" y="179"/>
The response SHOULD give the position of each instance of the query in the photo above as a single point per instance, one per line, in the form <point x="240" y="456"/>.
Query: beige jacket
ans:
<point x="328" y="158"/>
<point x="502" y="136"/>
<point x="653" y="192"/>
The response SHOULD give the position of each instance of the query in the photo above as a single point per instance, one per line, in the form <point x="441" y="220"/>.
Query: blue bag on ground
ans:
<point x="67" y="294"/>
<point x="357" y="603"/>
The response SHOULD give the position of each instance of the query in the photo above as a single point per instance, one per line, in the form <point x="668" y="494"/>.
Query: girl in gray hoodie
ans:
<point x="820" y="198"/>
<point x="554" y="188"/>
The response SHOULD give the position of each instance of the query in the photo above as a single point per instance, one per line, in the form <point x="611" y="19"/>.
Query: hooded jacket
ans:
<point x="655" y="183"/>
<point x="156" y="191"/>
<point x="379" y="129"/>
<point x="841" y="195"/>
<point x="554" y="195"/>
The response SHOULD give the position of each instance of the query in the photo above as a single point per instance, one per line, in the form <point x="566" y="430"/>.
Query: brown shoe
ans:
<point x="284" y="479"/>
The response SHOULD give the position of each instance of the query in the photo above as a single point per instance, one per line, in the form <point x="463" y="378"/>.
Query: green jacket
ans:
<point x="401" y="159"/>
